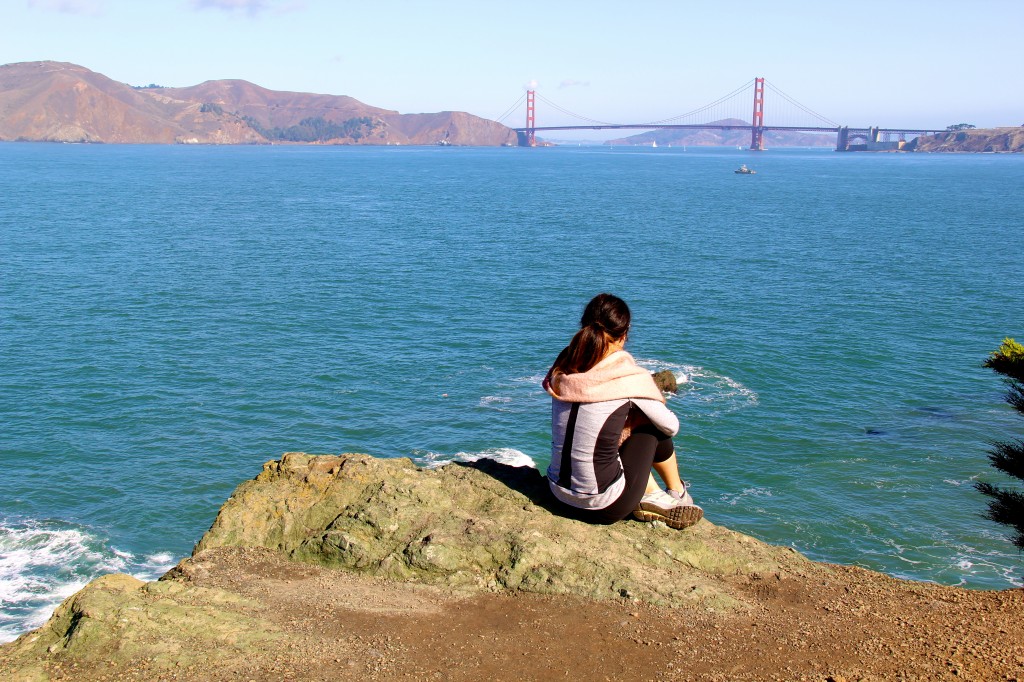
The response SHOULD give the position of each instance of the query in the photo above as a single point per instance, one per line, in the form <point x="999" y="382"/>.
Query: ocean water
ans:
<point x="172" y="317"/>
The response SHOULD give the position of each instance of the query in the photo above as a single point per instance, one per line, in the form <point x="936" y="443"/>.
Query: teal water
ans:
<point x="172" y="317"/>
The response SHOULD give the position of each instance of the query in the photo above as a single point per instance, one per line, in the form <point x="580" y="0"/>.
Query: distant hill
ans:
<point x="61" y="102"/>
<point x="976" y="140"/>
<point x="725" y="138"/>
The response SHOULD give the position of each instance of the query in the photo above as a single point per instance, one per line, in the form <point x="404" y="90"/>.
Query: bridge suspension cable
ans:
<point x="801" y="107"/>
<point x="551" y="104"/>
<point x="511" y="109"/>
<point x="706" y="107"/>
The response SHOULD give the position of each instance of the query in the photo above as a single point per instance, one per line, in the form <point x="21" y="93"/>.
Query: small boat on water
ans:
<point x="743" y="170"/>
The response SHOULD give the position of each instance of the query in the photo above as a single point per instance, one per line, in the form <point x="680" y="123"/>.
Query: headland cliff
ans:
<point x="351" y="567"/>
<point x="61" y="102"/>
<point x="983" y="140"/>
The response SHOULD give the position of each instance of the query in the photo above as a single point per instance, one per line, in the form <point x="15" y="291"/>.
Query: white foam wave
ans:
<point x="681" y="372"/>
<point x="533" y="380"/>
<point x="967" y="481"/>
<point x="510" y="456"/>
<point x="25" y="549"/>
<point x="732" y="499"/>
<point x="488" y="400"/>
<point x="721" y="393"/>
<point x="44" y="562"/>
<point x="724" y="393"/>
<point x="152" y="566"/>
<point x="972" y="562"/>
<point x="164" y="560"/>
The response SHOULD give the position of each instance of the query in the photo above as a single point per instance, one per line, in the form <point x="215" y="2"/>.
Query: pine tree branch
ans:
<point x="1006" y="508"/>
<point x="1008" y="457"/>
<point x="1015" y="395"/>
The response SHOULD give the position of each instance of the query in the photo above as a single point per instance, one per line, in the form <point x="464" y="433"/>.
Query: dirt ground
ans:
<point x="849" y="624"/>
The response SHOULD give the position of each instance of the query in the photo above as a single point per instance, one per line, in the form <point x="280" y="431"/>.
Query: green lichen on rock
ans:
<point x="118" y="618"/>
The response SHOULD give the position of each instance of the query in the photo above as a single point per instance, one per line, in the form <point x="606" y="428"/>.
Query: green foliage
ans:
<point x="147" y="87"/>
<point x="1015" y="395"/>
<point x="210" y="107"/>
<point x="255" y="125"/>
<point x="316" y="129"/>
<point x="1008" y="360"/>
<point x="1007" y="506"/>
<point x="962" y="126"/>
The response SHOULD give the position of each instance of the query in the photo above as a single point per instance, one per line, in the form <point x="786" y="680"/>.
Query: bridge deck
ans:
<point x="700" y="126"/>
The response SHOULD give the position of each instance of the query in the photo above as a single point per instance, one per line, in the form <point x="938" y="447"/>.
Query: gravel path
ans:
<point x="843" y="624"/>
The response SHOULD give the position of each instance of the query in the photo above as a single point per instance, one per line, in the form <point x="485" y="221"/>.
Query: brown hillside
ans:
<point x="272" y="108"/>
<point x="457" y="127"/>
<point x="60" y="102"/>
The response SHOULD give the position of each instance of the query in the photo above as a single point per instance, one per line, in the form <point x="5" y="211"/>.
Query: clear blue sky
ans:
<point x="863" y="62"/>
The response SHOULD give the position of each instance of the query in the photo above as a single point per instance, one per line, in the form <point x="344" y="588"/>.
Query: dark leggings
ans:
<point x="645" y="446"/>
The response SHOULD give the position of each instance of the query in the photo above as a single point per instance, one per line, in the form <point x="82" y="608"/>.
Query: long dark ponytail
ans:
<point x="605" y="319"/>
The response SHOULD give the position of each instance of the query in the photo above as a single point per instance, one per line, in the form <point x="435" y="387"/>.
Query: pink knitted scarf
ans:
<point x="615" y="377"/>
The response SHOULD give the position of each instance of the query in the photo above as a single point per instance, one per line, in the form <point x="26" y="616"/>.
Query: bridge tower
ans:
<point x="531" y="118"/>
<point x="757" y="122"/>
<point x="843" y="139"/>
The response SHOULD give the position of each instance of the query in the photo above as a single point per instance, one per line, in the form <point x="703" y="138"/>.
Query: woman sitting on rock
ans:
<point x="610" y="427"/>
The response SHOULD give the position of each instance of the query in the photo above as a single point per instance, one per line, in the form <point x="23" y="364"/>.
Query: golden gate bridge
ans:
<point x="723" y="114"/>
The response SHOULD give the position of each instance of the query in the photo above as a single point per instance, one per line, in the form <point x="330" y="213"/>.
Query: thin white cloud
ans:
<point x="87" y="7"/>
<point x="531" y="85"/>
<point x="573" y="84"/>
<point x="250" y="7"/>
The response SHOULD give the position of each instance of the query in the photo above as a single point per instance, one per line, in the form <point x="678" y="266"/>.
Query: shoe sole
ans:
<point x="679" y="517"/>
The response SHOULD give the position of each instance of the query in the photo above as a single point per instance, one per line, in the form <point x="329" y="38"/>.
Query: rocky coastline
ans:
<point x="977" y="140"/>
<point x="354" y="567"/>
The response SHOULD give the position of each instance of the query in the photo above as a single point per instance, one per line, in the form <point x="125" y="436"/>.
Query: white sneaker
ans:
<point x="659" y="505"/>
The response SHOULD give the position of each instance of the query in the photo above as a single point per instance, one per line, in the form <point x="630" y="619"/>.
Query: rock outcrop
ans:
<point x="483" y="525"/>
<point x="666" y="381"/>
<point x="476" y="527"/>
